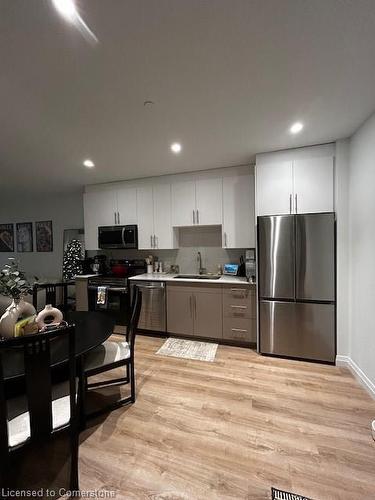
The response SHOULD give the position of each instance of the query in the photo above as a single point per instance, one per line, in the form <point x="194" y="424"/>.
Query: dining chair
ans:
<point x="108" y="356"/>
<point x="45" y="410"/>
<point x="51" y="290"/>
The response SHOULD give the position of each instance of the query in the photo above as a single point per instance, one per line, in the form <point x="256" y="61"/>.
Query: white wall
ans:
<point x="362" y="248"/>
<point x="342" y="173"/>
<point x="65" y="211"/>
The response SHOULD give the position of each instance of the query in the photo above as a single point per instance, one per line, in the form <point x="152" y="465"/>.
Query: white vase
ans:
<point x="18" y="309"/>
<point x="49" y="312"/>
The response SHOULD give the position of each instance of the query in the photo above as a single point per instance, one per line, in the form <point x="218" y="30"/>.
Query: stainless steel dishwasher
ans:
<point x="153" y="312"/>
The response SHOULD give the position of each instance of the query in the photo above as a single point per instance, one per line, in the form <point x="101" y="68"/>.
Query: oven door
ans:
<point x="118" y="237"/>
<point x="117" y="304"/>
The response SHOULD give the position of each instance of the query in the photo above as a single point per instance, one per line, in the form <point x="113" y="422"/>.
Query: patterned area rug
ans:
<point x="286" y="495"/>
<point x="188" y="349"/>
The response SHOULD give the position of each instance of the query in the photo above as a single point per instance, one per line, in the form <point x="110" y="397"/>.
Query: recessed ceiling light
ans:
<point x="296" y="128"/>
<point x="89" y="163"/>
<point x="66" y="8"/>
<point x="176" y="147"/>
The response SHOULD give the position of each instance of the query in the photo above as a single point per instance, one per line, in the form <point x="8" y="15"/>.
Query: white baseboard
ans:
<point x="357" y="372"/>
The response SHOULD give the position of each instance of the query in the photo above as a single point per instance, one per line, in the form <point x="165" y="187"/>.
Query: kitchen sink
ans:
<point x="197" y="277"/>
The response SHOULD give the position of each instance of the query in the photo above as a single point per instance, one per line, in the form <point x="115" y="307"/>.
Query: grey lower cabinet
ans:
<point x="239" y="313"/>
<point x="180" y="318"/>
<point x="208" y="318"/>
<point x="222" y="312"/>
<point x="195" y="310"/>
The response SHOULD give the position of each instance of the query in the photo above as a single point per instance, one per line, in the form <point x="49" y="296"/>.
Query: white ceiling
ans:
<point x="228" y="77"/>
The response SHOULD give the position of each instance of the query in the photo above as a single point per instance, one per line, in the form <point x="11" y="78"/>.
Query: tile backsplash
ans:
<point x="206" y="240"/>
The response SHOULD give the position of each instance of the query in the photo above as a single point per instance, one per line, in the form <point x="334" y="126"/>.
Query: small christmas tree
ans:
<point x="72" y="264"/>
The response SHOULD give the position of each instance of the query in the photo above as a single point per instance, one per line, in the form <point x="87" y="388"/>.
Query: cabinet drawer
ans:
<point x="239" y="292"/>
<point x="234" y="309"/>
<point x="237" y="307"/>
<point x="241" y="329"/>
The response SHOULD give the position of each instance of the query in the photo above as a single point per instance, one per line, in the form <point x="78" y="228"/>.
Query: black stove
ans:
<point x="108" y="281"/>
<point x="117" y="292"/>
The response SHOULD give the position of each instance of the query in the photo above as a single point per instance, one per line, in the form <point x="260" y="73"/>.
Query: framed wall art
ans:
<point x="24" y="235"/>
<point x="6" y="237"/>
<point x="44" y="236"/>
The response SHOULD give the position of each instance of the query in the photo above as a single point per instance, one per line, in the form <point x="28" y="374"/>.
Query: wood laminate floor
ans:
<point x="232" y="429"/>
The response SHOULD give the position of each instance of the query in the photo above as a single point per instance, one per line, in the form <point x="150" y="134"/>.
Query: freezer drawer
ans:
<point x="300" y="330"/>
<point x="276" y="257"/>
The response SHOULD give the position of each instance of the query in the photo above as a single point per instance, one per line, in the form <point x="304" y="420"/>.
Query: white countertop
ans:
<point x="223" y="280"/>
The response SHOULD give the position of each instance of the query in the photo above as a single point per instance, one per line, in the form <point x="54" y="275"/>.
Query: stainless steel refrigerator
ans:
<point x="297" y="291"/>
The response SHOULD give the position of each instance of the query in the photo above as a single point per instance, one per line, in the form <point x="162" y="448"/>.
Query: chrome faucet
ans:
<point x="199" y="260"/>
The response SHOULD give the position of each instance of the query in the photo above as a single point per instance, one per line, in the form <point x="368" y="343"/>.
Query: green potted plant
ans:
<point x="13" y="284"/>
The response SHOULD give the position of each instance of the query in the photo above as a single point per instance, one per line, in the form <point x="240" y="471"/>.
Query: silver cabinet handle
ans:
<point x="239" y="307"/>
<point x="239" y="330"/>
<point x="193" y="216"/>
<point x="197" y="216"/>
<point x="151" y="241"/>
<point x="238" y="292"/>
<point x="118" y="217"/>
<point x="154" y="241"/>
<point x="150" y="287"/>
<point x="290" y="203"/>
<point x="115" y="217"/>
<point x="225" y="240"/>
<point x="296" y="207"/>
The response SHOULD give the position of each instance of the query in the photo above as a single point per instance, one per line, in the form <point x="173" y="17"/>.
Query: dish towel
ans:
<point x="101" y="299"/>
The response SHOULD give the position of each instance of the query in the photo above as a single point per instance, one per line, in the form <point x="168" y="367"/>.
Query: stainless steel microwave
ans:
<point x="118" y="236"/>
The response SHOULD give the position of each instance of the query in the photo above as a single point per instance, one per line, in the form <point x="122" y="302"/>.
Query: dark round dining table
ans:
<point x="91" y="330"/>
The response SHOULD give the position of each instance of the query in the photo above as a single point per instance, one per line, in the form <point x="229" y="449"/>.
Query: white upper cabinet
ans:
<point x="197" y="202"/>
<point x="162" y="216"/>
<point x="238" y="211"/>
<point x="313" y="185"/>
<point x="126" y="205"/>
<point x="274" y="188"/>
<point x="154" y="217"/>
<point x="145" y="211"/>
<point x="183" y="203"/>
<point x="107" y="207"/>
<point x="209" y="196"/>
<point x="159" y="205"/>
<point x="301" y="185"/>
<point x="100" y="209"/>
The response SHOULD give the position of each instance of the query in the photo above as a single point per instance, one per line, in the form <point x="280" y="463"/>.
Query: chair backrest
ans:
<point x="134" y="318"/>
<point x="37" y="366"/>
<point x="51" y="294"/>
